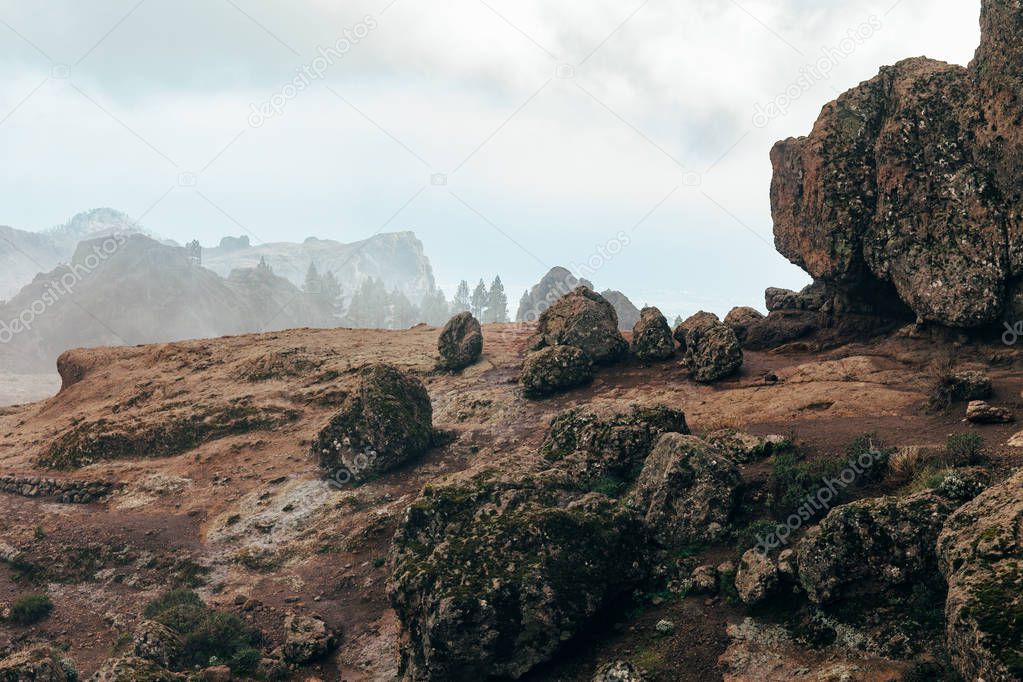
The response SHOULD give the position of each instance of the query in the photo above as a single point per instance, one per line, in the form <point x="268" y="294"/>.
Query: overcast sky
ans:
<point x="510" y="135"/>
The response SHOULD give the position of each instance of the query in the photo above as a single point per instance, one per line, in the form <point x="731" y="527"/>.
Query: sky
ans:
<point x="628" y="141"/>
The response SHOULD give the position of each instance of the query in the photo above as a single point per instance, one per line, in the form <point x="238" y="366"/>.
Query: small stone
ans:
<point x="980" y="412"/>
<point x="665" y="627"/>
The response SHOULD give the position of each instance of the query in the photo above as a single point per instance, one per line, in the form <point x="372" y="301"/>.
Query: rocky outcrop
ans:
<point x="628" y="313"/>
<point x="781" y="327"/>
<point x="585" y="320"/>
<point x="553" y="370"/>
<point x="980" y="552"/>
<point x="687" y="491"/>
<point x="872" y="545"/>
<point x="460" y="343"/>
<point x="555" y="284"/>
<point x="156" y="642"/>
<point x="66" y="491"/>
<point x="909" y="188"/>
<point x="741" y="319"/>
<point x="38" y="664"/>
<point x="386" y="421"/>
<point x="651" y="337"/>
<point x="744" y="447"/>
<point x="306" y="639"/>
<point x="490" y="577"/>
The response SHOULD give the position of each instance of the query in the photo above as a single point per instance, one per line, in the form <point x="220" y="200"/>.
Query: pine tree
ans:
<point x="497" y="303"/>
<point x="313" y="284"/>
<point x="478" y="302"/>
<point x="462" y="302"/>
<point x="264" y="266"/>
<point x="435" y="310"/>
<point x="525" y="303"/>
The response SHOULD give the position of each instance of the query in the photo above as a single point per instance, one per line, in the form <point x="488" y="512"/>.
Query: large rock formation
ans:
<point x="911" y="184"/>
<point x="980" y="552"/>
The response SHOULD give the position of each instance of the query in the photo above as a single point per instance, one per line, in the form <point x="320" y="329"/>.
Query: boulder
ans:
<point x="812" y="297"/>
<point x="712" y="353"/>
<point x="385" y="422"/>
<point x="980" y="553"/>
<point x="741" y="319"/>
<point x="871" y="546"/>
<point x="306" y="639"/>
<point x="39" y="663"/>
<point x="628" y="313"/>
<point x="490" y="577"/>
<point x="599" y="444"/>
<point x="687" y="491"/>
<point x="757" y="577"/>
<point x="651" y="337"/>
<point x="156" y="642"/>
<point x="554" y="370"/>
<point x="460" y="343"/>
<point x="701" y="321"/>
<point x="910" y="186"/>
<point x="134" y="669"/>
<point x="781" y="327"/>
<point x="980" y="412"/>
<point x="969" y="386"/>
<point x="742" y="447"/>
<point x="619" y="671"/>
<point x="704" y="579"/>
<point x="583" y="319"/>
<point x="555" y="284"/>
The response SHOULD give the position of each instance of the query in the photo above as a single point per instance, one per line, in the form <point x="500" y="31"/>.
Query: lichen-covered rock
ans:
<point x="871" y="545"/>
<point x="553" y="370"/>
<point x="619" y="671"/>
<point x="911" y="183"/>
<point x="971" y="385"/>
<point x="651" y="337"/>
<point x="757" y="577"/>
<point x="156" y="642"/>
<point x="980" y="412"/>
<point x="712" y="352"/>
<point x="741" y="319"/>
<point x="460" y="343"/>
<point x="585" y="320"/>
<point x="701" y="321"/>
<point x="687" y="490"/>
<point x="37" y="664"/>
<point x="306" y="639"/>
<point x="134" y="669"/>
<point x="607" y="445"/>
<point x="490" y="577"/>
<point x="980" y="553"/>
<point x="388" y="420"/>
<point x="744" y="447"/>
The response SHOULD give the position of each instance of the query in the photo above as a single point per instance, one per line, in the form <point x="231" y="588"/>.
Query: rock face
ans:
<point x="39" y="664"/>
<point x="583" y="319"/>
<point x="980" y="553"/>
<point x="871" y="545"/>
<point x="490" y="577"/>
<point x="628" y="313"/>
<point x="687" y="490"/>
<point x="555" y="284"/>
<point x="741" y="319"/>
<point x="461" y="342"/>
<point x="388" y="420"/>
<point x="651" y="337"/>
<point x="553" y="370"/>
<point x="910" y="185"/>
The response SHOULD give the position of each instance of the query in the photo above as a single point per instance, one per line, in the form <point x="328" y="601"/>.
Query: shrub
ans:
<point x="31" y="609"/>
<point x="906" y="462"/>
<point x="870" y="444"/>
<point x="962" y="449"/>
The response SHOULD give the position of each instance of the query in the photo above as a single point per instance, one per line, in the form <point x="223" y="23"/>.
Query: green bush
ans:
<point x="31" y="609"/>
<point x="207" y="635"/>
<point x="962" y="449"/>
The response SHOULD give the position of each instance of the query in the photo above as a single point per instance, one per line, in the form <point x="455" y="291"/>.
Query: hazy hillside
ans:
<point x="397" y="259"/>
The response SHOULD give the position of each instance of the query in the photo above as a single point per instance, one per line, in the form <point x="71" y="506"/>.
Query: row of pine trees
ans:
<point x="372" y="306"/>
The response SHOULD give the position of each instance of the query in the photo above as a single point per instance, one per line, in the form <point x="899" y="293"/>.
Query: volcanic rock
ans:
<point x="555" y="284"/>
<point x="461" y="342"/>
<point x="553" y="370"/>
<point x="741" y="319"/>
<point x="583" y="319"/>
<point x="651" y="337"/>
<point x="980" y="412"/>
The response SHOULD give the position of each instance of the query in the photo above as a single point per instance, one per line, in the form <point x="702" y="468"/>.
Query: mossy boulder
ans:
<point x="386" y="421"/>
<point x="687" y="491"/>
<point x="39" y="664"/>
<point x="699" y="322"/>
<point x="713" y="353"/>
<point x="584" y="319"/>
<point x="980" y="553"/>
<point x="651" y="337"/>
<point x="604" y="448"/>
<point x="490" y="577"/>
<point x="554" y="370"/>
<point x="460" y="343"/>
<point x="871" y="546"/>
